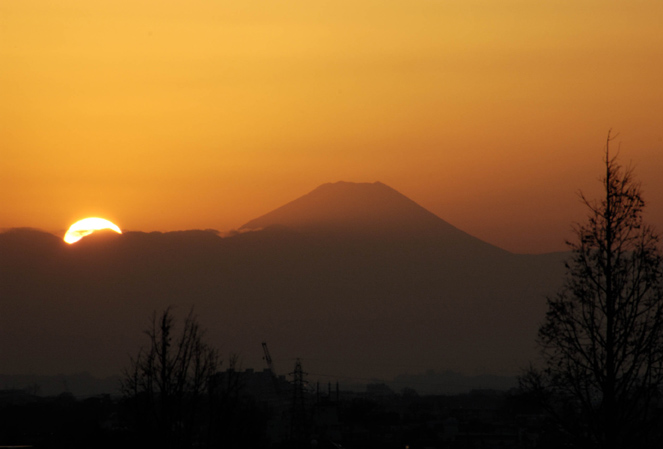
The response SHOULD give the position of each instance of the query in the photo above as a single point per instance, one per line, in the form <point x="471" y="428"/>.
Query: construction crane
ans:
<point x="270" y="365"/>
<point x="268" y="358"/>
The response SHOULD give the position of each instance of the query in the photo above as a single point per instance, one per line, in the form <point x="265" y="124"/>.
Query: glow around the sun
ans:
<point x="87" y="226"/>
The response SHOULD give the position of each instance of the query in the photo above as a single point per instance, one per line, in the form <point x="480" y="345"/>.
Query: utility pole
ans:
<point x="298" y="427"/>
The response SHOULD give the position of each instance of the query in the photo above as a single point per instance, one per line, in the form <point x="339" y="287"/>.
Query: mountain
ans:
<point x="355" y="207"/>
<point x="366" y="210"/>
<point x="355" y="279"/>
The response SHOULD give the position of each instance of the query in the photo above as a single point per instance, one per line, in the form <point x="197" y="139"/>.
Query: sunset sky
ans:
<point x="166" y="115"/>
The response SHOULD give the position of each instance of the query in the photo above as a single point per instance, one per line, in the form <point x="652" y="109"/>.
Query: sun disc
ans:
<point x="87" y="226"/>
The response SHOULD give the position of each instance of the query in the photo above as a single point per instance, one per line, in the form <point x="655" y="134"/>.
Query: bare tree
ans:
<point x="167" y="383"/>
<point x="602" y="339"/>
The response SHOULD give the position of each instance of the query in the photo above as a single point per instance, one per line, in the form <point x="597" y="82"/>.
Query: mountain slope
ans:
<point x="365" y="210"/>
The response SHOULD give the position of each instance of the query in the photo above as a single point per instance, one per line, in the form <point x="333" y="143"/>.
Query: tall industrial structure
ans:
<point x="299" y="423"/>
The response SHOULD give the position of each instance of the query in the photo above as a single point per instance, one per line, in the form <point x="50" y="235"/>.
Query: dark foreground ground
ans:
<point x="263" y="414"/>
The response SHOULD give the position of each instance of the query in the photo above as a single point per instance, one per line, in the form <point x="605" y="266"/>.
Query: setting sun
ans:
<point x="87" y="226"/>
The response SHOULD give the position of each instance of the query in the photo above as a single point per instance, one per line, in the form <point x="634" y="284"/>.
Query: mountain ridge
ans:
<point x="357" y="304"/>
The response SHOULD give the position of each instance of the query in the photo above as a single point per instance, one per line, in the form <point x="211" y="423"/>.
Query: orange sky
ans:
<point x="163" y="115"/>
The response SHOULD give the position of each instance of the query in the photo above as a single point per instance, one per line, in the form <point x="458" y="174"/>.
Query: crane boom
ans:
<point x="270" y="365"/>
<point x="268" y="358"/>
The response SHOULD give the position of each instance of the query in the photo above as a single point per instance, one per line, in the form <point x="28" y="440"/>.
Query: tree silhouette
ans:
<point x="602" y="338"/>
<point x="166" y="384"/>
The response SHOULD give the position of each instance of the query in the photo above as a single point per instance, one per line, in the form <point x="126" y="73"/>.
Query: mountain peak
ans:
<point x="360" y="208"/>
<point x="345" y="206"/>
